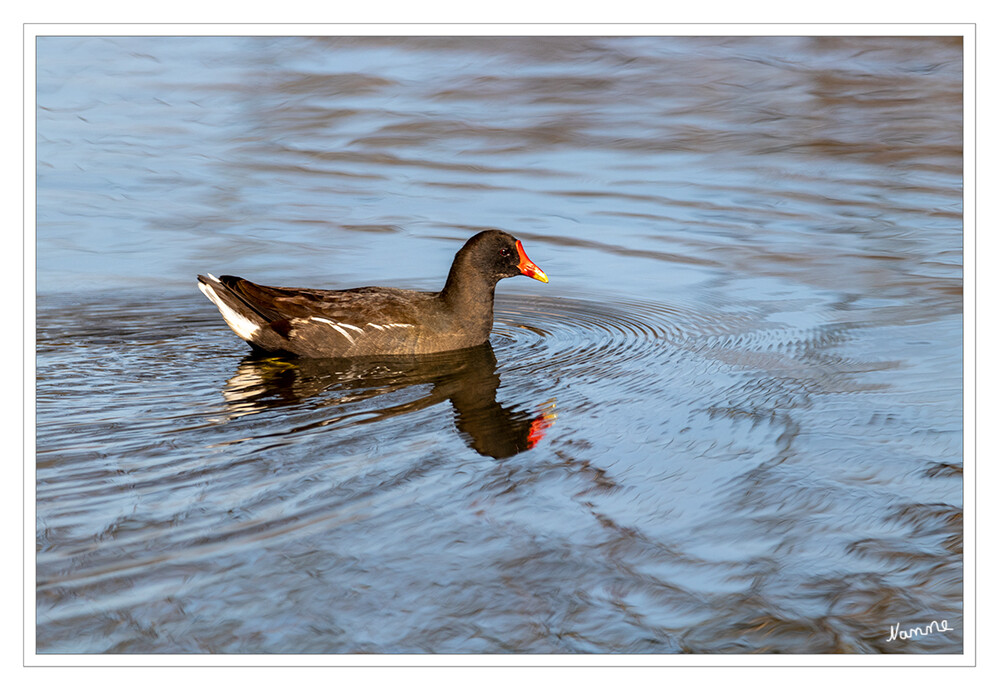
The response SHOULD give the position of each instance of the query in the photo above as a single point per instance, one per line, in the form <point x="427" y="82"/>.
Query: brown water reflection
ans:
<point x="468" y="379"/>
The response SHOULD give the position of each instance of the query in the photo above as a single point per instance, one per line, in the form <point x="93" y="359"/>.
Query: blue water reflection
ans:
<point x="752" y="339"/>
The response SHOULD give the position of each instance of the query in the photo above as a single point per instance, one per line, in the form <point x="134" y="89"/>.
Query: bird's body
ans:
<point x="375" y="320"/>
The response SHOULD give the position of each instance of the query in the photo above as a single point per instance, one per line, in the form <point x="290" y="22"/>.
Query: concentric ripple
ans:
<point x="564" y="332"/>
<point x="605" y="338"/>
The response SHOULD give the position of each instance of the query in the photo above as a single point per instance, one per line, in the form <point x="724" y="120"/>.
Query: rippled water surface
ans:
<point x="731" y="423"/>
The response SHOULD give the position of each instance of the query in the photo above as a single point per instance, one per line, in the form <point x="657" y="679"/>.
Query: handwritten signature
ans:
<point x="934" y="626"/>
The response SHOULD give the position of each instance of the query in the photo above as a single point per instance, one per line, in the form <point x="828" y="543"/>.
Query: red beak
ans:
<point x="528" y="267"/>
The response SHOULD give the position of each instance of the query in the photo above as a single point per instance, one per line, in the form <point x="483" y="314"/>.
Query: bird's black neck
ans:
<point x="469" y="293"/>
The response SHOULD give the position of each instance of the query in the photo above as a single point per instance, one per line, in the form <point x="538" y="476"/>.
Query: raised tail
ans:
<point x="244" y="320"/>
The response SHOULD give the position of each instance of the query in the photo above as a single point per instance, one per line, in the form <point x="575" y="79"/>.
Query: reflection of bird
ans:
<point x="468" y="378"/>
<point x="372" y="320"/>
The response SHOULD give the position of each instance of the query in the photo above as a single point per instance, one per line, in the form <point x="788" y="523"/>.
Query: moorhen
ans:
<point x="370" y="321"/>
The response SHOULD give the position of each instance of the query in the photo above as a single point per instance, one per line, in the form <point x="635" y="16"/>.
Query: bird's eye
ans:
<point x="505" y="252"/>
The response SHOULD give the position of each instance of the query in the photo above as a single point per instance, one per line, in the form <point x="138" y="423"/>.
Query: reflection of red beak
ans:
<point x="541" y="423"/>
<point x="537" y="432"/>
<point x="528" y="267"/>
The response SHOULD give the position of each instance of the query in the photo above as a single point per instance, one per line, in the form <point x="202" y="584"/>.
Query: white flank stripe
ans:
<point x="240" y="325"/>
<point x="337" y="327"/>
<point x="343" y="332"/>
<point x="391" y="325"/>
